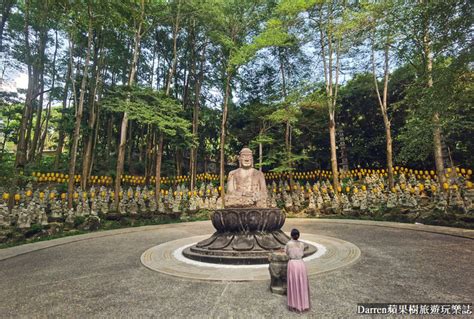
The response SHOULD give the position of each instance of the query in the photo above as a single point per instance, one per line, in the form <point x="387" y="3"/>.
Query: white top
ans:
<point x="294" y="249"/>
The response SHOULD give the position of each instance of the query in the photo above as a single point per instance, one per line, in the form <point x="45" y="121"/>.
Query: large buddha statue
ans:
<point x="246" y="230"/>
<point x="246" y="185"/>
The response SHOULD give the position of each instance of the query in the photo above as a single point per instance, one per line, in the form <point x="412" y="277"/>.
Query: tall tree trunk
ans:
<point x="29" y="126"/>
<point x="123" y="131"/>
<point x="91" y="123"/>
<point x="39" y="65"/>
<point x="383" y="103"/>
<point x="37" y="130"/>
<point x="222" y="139"/>
<point x="120" y="158"/>
<point x="110" y="130"/>
<point x="196" y="109"/>
<point x="159" y="156"/>
<point x="437" y="148"/>
<point x="332" y="140"/>
<point x="171" y="74"/>
<point x="331" y="85"/>
<point x="4" y="140"/>
<point x="130" y="145"/>
<point x="42" y="141"/>
<point x="148" y="151"/>
<point x="141" y="144"/>
<point x="6" y="10"/>
<point x="96" y="135"/>
<point x="79" y="110"/>
<point x="48" y="114"/>
<point x="152" y="68"/>
<point x="260" y="152"/>
<point x="20" y="159"/>
<point x="61" y="134"/>
<point x="175" y="42"/>
<point x="287" y="122"/>
<point x="179" y="161"/>
<point x="438" y="154"/>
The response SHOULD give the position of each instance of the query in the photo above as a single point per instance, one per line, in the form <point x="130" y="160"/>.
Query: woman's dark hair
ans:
<point x="295" y="233"/>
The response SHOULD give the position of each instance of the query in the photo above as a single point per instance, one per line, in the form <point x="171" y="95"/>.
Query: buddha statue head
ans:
<point x="246" y="158"/>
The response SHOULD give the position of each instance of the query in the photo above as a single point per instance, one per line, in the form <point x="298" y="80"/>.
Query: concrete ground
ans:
<point x="100" y="275"/>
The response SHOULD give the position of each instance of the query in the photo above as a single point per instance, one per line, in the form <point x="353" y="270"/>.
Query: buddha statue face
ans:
<point x="246" y="158"/>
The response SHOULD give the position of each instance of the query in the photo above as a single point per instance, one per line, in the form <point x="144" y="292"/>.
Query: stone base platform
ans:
<point x="332" y="253"/>
<point x="247" y="248"/>
<point x="244" y="236"/>
<point x="240" y="249"/>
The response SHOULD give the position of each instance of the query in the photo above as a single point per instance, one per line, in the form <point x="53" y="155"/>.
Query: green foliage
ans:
<point x="294" y="7"/>
<point x="274" y="35"/>
<point x="10" y="114"/>
<point x="267" y="48"/>
<point x="416" y="139"/>
<point x="262" y="139"/>
<point x="287" y="163"/>
<point x="79" y="220"/>
<point x="33" y="230"/>
<point x="148" y="106"/>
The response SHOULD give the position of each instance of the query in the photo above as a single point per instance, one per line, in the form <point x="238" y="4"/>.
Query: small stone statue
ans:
<point x="24" y="220"/>
<point x="200" y="203"/>
<point x="4" y="215"/>
<point x="56" y="210"/>
<point x="132" y="206"/>
<point x="103" y="206"/>
<point x="192" y="203"/>
<point x="288" y="201"/>
<point x="277" y="268"/>
<point x="219" y="204"/>
<point x="161" y="206"/>
<point x="273" y="201"/>
<point x="312" y="202"/>
<point x="363" y="201"/>
<point x="152" y="205"/>
<point x="141" y="205"/>
<point x="43" y="218"/>
<point x="296" y="200"/>
<point x="356" y="200"/>
<point x="70" y="217"/>
<point x="176" y="205"/>
<point x="94" y="207"/>
<point x="346" y="205"/>
<point x="392" y="200"/>
<point x="122" y="206"/>
<point x="319" y="201"/>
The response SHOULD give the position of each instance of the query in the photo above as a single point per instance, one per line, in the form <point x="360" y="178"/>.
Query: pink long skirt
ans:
<point x="298" y="286"/>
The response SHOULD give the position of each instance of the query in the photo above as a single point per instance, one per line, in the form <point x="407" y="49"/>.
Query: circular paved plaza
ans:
<point x="101" y="274"/>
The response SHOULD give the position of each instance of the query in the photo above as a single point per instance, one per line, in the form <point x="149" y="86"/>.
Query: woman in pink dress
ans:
<point x="297" y="276"/>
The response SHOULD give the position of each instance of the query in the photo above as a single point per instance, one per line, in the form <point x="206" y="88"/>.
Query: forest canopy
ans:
<point x="178" y="87"/>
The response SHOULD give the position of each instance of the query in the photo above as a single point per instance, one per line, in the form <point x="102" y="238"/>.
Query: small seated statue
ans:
<point x="246" y="186"/>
